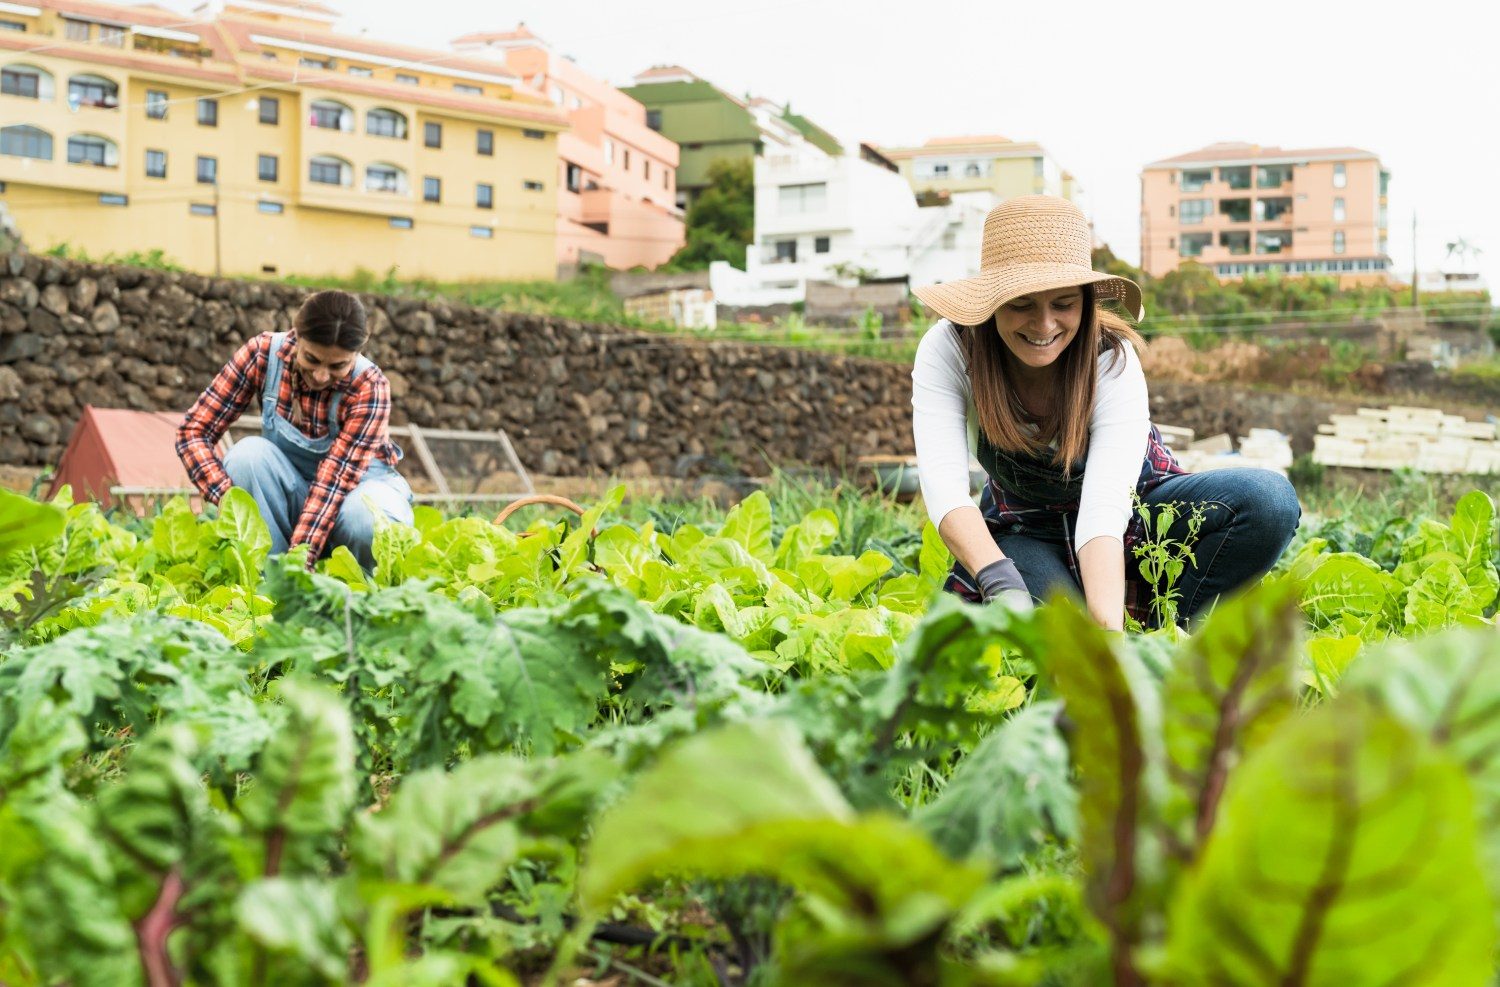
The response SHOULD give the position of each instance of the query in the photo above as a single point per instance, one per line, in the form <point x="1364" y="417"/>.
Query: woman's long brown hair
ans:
<point x="998" y="403"/>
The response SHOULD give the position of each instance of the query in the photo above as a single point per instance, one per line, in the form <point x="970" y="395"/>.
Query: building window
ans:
<point x="1235" y="178"/>
<point x="626" y="160"/>
<point x="1195" y="210"/>
<point x="666" y="178"/>
<point x="653" y="119"/>
<point x="12" y="26"/>
<point x="1272" y="176"/>
<point x="1273" y="241"/>
<point x="1235" y="241"/>
<point x="609" y="151"/>
<point x="1238" y="210"/>
<point x="75" y="30"/>
<point x="794" y="200"/>
<point x="27" y="82"/>
<point x="87" y="149"/>
<point x="822" y="244"/>
<point x="385" y="123"/>
<point x="201" y="209"/>
<point x="270" y="110"/>
<point x="93" y="90"/>
<point x="113" y="199"/>
<point x="360" y="72"/>
<point x="1338" y="209"/>
<point x="1385" y="183"/>
<point x="208" y="112"/>
<point x="401" y="223"/>
<point x="208" y="170"/>
<point x="266" y="167"/>
<point x="531" y="186"/>
<point x="1340" y="176"/>
<point x="407" y="80"/>
<point x="314" y="63"/>
<point x="1172" y="209"/>
<point x="1193" y="244"/>
<point x="1272" y="209"/>
<point x="432" y="189"/>
<point x="270" y="208"/>
<point x="484" y="196"/>
<point x="575" y="177"/>
<point x="1338" y="241"/>
<point x="156" y="164"/>
<point x="485" y="142"/>
<point x="432" y="134"/>
<point x="646" y="169"/>
<point x="26" y="142"/>
<point x="1194" y="180"/>
<point x="468" y="90"/>
<point x="483" y="232"/>
<point x="786" y="252"/>
<point x="327" y="170"/>
<point x="328" y="114"/>
<point x="535" y="135"/>
<point x="156" y="104"/>
<point x="385" y="178"/>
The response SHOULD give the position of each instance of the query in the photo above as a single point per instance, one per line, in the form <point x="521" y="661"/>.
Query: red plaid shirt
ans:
<point x="364" y="431"/>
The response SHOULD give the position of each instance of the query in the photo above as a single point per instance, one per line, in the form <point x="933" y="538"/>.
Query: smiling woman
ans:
<point x="1030" y="373"/>
<point x="323" y="470"/>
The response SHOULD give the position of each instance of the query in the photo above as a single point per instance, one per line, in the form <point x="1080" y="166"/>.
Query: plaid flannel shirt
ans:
<point x="364" y="416"/>
<point x="1004" y="514"/>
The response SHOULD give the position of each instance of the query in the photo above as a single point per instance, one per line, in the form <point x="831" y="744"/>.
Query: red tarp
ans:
<point x="113" y="447"/>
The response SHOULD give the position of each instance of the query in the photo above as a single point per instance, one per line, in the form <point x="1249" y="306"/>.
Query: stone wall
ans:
<point x="574" y="398"/>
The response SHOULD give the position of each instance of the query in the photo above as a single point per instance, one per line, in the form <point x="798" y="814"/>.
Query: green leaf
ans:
<point x="1024" y="758"/>
<point x="24" y="523"/>
<point x="297" y="918"/>
<point x="700" y="799"/>
<point x="1474" y="525"/>
<point x="813" y="534"/>
<point x="343" y="566"/>
<point x="305" y="780"/>
<point x="239" y="521"/>
<point x="1227" y="690"/>
<point x="175" y="534"/>
<point x="1342" y="585"/>
<point x="1345" y="854"/>
<point x="843" y="577"/>
<point x="749" y="524"/>
<point x="1111" y="747"/>
<point x="1447" y="687"/>
<point x="1440" y="597"/>
<point x="1327" y="658"/>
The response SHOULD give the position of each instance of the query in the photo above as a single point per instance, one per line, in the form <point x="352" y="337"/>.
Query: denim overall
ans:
<point x="280" y="466"/>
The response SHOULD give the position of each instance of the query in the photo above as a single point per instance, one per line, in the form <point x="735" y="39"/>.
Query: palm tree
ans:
<point x="1463" y="250"/>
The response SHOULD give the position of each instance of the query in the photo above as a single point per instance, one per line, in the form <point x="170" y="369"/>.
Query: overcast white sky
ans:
<point x="1106" y="87"/>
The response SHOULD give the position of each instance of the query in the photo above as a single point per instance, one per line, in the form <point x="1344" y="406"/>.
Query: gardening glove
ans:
<point x="1002" y="581"/>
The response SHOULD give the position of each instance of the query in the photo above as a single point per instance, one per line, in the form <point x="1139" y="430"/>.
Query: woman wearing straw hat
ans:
<point x="1029" y="373"/>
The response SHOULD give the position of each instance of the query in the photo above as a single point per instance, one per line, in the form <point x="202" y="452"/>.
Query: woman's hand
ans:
<point x="1002" y="581"/>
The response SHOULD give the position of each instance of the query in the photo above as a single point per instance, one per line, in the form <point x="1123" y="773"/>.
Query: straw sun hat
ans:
<point x="1031" y="243"/>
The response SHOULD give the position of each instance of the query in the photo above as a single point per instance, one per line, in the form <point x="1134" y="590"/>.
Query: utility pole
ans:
<point x="1415" y="290"/>
<point x="218" y="250"/>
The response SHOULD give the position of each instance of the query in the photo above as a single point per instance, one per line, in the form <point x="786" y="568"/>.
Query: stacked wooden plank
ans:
<point x="1425" y="439"/>
<point x="1264" y="448"/>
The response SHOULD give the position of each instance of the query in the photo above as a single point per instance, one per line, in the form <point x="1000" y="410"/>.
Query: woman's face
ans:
<point x="1037" y="328"/>
<point x="322" y="366"/>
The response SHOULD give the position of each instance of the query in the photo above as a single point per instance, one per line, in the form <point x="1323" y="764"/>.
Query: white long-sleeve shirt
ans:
<point x="946" y="430"/>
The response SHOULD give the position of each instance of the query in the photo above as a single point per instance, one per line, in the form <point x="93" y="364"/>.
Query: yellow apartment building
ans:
<point x="997" y="165"/>
<point x="1242" y="209"/>
<point x="251" y="139"/>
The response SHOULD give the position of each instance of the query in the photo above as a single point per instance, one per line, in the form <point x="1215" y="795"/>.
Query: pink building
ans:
<point x="616" y="177"/>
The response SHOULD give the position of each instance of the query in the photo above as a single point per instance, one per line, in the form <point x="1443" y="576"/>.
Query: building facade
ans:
<point x="707" y="124"/>
<point x="256" y="140"/>
<point x="616" y="177"/>
<point x="996" y="165"/>
<point x="1242" y="209"/>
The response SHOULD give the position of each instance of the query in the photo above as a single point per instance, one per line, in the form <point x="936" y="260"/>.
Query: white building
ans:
<point x="843" y="219"/>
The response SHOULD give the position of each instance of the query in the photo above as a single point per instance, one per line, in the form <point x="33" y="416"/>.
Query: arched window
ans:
<point x="385" y="178"/>
<point x="91" y="149"/>
<point x="22" y="141"/>
<point x="330" y="114"/>
<point x="325" y="169"/>
<point x="93" y="90"/>
<point x="382" y="122"/>
<point x="27" y="81"/>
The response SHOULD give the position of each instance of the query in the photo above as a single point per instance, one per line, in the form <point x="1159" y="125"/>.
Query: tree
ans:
<point x="722" y="221"/>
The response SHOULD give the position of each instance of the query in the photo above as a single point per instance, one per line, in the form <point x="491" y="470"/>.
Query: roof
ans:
<point x="1000" y="146"/>
<point x="814" y="134"/>
<point x="148" y="14"/>
<point x="296" y="7"/>
<point x="1228" y="151"/>
<point x="216" y="72"/>
<point x="664" y="72"/>
<point x="981" y="139"/>
<point x="521" y="33"/>
<point x="115" y="447"/>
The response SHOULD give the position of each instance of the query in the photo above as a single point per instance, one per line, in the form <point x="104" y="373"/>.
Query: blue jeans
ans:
<point x="265" y="472"/>
<point x="1249" y="518"/>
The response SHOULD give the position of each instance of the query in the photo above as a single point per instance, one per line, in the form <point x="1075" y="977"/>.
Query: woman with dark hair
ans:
<point x="1031" y="375"/>
<point x="323" y="469"/>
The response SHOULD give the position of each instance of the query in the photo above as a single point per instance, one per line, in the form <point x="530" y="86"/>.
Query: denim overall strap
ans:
<point x="304" y="451"/>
